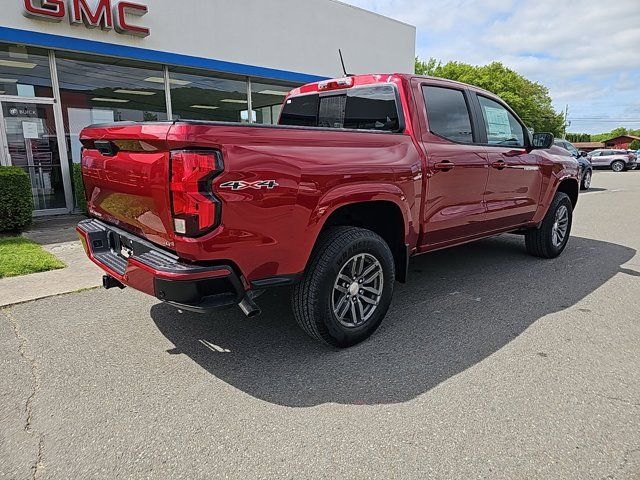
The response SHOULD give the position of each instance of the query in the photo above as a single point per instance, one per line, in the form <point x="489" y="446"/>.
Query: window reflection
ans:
<point x="266" y="99"/>
<point x="102" y="90"/>
<point x="199" y="95"/>
<point x="24" y="72"/>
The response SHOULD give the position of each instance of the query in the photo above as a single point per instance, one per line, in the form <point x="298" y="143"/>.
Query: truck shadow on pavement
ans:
<point x="459" y="306"/>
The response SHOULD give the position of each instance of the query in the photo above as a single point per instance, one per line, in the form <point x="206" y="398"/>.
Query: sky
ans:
<point x="586" y="52"/>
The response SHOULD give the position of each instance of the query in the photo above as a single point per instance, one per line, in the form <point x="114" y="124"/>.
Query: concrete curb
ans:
<point x="80" y="274"/>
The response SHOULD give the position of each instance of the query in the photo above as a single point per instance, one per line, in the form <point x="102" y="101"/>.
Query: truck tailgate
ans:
<point x="125" y="169"/>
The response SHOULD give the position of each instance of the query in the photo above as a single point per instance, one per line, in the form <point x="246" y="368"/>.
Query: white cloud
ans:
<point x="585" y="51"/>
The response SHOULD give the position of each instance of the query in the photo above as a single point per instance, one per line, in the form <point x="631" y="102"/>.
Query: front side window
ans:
<point x="502" y="127"/>
<point x="363" y="108"/>
<point x="572" y="149"/>
<point x="448" y="114"/>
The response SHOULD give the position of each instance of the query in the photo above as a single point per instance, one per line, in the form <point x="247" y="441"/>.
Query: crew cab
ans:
<point x="361" y="174"/>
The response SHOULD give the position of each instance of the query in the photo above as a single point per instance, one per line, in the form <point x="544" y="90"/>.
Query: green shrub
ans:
<point x="16" y="199"/>
<point x="78" y="187"/>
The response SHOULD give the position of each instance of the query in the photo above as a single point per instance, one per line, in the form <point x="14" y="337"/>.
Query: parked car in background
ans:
<point x="586" y="169"/>
<point x="616" y="160"/>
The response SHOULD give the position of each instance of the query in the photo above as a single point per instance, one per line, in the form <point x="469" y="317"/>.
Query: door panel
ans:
<point x="456" y="169"/>
<point x="515" y="176"/>
<point x="514" y="186"/>
<point x="454" y="200"/>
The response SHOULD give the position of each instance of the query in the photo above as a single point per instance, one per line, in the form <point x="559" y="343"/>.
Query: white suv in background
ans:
<point x="616" y="160"/>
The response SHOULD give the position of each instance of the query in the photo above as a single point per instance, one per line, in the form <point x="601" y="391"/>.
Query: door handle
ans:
<point x="444" y="166"/>
<point x="499" y="165"/>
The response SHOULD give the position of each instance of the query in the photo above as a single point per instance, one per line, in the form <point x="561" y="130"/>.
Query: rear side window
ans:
<point x="362" y="108"/>
<point x="448" y="114"/>
<point x="502" y="127"/>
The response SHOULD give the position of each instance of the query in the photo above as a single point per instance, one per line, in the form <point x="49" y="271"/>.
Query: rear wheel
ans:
<point x="617" y="166"/>
<point x="347" y="288"/>
<point x="586" y="180"/>
<point x="550" y="239"/>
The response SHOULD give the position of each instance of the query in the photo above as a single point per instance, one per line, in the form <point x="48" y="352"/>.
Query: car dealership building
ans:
<point x="66" y="64"/>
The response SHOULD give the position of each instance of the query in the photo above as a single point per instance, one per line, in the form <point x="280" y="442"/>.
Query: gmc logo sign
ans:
<point x="106" y="14"/>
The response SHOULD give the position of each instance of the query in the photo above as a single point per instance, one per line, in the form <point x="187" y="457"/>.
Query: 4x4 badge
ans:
<point x="241" y="185"/>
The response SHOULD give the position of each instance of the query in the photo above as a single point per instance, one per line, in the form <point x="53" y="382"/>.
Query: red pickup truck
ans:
<point x="361" y="174"/>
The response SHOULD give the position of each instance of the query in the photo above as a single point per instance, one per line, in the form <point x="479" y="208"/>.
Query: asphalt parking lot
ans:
<point x="490" y="364"/>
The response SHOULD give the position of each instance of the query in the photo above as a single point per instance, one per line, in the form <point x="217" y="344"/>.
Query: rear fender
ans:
<point x="358" y="193"/>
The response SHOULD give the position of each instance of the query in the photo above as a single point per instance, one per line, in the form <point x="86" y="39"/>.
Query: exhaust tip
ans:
<point x="249" y="307"/>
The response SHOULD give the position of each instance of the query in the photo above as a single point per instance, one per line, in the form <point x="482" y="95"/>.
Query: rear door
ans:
<point x="457" y="167"/>
<point x="515" y="175"/>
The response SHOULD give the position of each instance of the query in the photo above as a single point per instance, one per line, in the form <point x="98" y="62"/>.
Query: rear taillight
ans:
<point x="194" y="207"/>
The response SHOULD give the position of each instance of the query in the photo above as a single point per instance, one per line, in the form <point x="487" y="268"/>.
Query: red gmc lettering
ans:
<point x="105" y="14"/>
<point x="51" y="10"/>
<point x="120" y="11"/>
<point x="80" y="12"/>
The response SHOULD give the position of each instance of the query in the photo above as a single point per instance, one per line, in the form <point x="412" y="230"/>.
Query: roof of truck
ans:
<point x="373" y="78"/>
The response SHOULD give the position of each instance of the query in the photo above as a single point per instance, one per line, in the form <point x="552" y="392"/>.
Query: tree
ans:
<point x="426" y="68"/>
<point x="578" y="137"/>
<point x="635" y="145"/>
<point x="530" y="100"/>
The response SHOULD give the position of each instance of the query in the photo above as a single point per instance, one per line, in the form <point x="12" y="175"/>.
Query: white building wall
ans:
<point x="293" y="35"/>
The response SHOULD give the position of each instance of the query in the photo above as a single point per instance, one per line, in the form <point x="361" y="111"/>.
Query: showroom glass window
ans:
<point x="202" y="95"/>
<point x="24" y="72"/>
<point x="266" y="99"/>
<point x="98" y="90"/>
<point x="448" y="114"/>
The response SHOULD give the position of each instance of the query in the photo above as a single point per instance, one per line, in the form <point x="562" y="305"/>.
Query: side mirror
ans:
<point x="583" y="154"/>
<point x="542" y="141"/>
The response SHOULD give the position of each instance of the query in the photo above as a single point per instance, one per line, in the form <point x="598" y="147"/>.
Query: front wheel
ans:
<point x="550" y="239"/>
<point x="586" y="180"/>
<point x="617" y="166"/>
<point x="347" y="287"/>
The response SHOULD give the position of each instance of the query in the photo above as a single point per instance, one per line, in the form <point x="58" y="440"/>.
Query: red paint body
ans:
<point x="267" y="233"/>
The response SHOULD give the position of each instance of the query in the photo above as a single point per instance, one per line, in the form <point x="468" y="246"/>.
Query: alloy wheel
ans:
<point x="560" y="227"/>
<point x="357" y="290"/>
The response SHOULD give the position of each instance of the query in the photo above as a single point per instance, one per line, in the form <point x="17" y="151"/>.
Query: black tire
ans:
<point x="314" y="298"/>
<point x="618" y="166"/>
<point x="540" y="242"/>
<point x="585" y="184"/>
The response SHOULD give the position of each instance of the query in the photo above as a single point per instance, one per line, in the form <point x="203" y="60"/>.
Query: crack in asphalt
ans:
<point x="35" y="375"/>
<point x="620" y="400"/>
